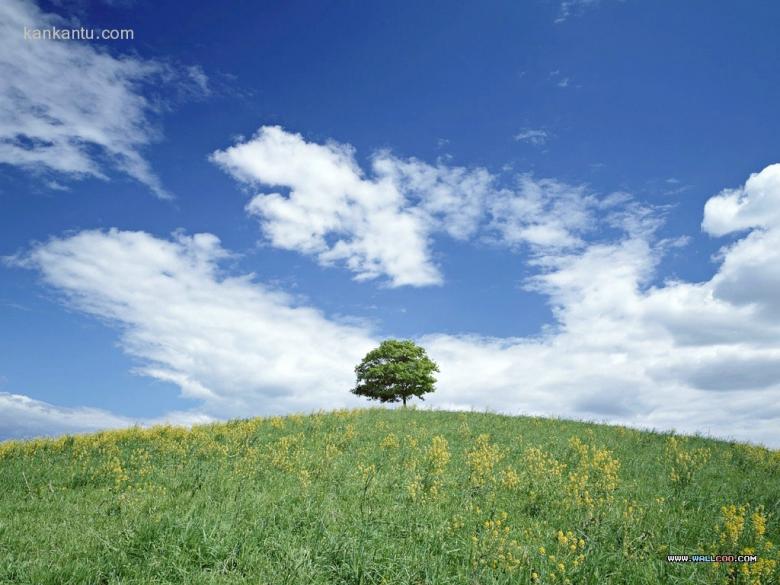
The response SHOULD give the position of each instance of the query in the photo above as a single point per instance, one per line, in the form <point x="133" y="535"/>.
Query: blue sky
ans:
<point x="219" y="217"/>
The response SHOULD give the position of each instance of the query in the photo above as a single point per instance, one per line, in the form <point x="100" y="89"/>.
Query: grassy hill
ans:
<point x="385" y="496"/>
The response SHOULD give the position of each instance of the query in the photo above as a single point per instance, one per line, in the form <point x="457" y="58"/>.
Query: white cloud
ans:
<point x="624" y="353"/>
<point x="535" y="137"/>
<point x="384" y="224"/>
<point x="574" y="7"/>
<point x="449" y="199"/>
<point x="199" y="79"/>
<point x="544" y="213"/>
<point x="750" y="274"/>
<point x="22" y="417"/>
<point x="238" y="346"/>
<point x="69" y="107"/>
<point x="755" y="205"/>
<point x="696" y="357"/>
<point x="336" y="213"/>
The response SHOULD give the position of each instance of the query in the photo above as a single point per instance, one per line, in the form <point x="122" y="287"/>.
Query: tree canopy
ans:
<point x="395" y="371"/>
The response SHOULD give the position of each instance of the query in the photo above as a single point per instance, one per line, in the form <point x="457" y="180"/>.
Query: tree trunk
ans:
<point x="404" y="399"/>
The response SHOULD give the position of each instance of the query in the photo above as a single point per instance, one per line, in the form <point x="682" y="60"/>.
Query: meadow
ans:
<point x="383" y="496"/>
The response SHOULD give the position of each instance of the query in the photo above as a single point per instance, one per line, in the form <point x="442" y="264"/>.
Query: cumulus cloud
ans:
<point x="750" y="274"/>
<point x="332" y="211"/>
<point x="696" y="357"/>
<point x="22" y="417"/>
<point x="70" y="107"/>
<point x="236" y="345"/>
<point x="625" y="348"/>
<point x="754" y="205"/>
<point x="383" y="224"/>
<point x="546" y="213"/>
<point x="336" y="213"/>
<point x="449" y="199"/>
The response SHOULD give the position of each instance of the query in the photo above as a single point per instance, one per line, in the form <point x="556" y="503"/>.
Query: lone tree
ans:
<point x="395" y="371"/>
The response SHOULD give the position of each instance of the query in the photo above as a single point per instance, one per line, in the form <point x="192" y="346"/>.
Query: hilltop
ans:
<point x="385" y="496"/>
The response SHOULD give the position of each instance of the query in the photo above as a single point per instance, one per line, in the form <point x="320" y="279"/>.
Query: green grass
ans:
<point x="385" y="496"/>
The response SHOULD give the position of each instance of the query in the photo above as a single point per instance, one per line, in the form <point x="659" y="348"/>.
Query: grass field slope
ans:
<point x="386" y="496"/>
